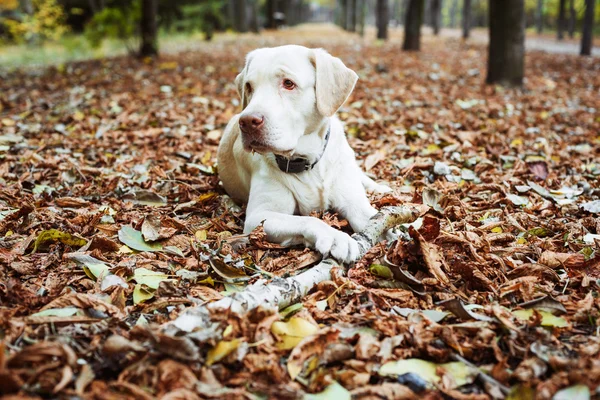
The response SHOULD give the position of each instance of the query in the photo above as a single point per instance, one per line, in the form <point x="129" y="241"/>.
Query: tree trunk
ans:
<point x="507" y="42"/>
<point x="149" y="28"/>
<point x="351" y="16"/>
<point x="539" y="16"/>
<point x="253" y="17"/>
<point x="587" y="36"/>
<point x="412" y="26"/>
<point x="240" y="22"/>
<point x="383" y="16"/>
<point x="466" y="18"/>
<point x="361" y="17"/>
<point x="561" y="20"/>
<point x="343" y="10"/>
<point x="270" y="14"/>
<point x="453" y="12"/>
<point x="572" y="18"/>
<point x="436" y="15"/>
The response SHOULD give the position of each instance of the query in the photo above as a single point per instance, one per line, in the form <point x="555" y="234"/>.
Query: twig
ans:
<point x="280" y="293"/>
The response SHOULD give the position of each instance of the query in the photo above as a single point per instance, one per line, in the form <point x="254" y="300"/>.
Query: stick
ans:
<point x="280" y="292"/>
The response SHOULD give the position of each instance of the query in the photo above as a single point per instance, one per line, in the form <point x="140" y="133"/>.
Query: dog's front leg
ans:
<point x="274" y="206"/>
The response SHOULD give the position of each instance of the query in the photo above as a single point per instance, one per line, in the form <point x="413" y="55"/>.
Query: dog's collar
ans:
<point x="300" y="164"/>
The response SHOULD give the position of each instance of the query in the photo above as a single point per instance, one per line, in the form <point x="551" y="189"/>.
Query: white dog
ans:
<point x="286" y="154"/>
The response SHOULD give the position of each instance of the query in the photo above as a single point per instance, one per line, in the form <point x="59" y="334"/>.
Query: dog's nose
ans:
<point x="251" y="122"/>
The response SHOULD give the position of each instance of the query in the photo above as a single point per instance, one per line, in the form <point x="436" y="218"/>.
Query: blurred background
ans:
<point x="56" y="31"/>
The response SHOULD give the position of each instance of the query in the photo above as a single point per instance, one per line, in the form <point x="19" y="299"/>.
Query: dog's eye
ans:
<point x="248" y="87"/>
<point x="288" y="84"/>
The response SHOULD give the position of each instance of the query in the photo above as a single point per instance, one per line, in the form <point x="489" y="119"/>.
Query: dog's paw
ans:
<point x="338" y="245"/>
<point x="379" y="189"/>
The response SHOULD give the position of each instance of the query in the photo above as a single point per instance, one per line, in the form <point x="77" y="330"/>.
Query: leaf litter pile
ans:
<point x="112" y="222"/>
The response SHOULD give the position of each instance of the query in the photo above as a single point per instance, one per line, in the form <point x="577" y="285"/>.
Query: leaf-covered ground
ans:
<point x="112" y="222"/>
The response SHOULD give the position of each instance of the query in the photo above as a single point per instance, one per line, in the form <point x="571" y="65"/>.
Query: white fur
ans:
<point x="296" y="122"/>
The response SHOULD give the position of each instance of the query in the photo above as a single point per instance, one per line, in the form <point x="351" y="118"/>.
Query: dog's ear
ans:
<point x="334" y="82"/>
<point x="240" y="82"/>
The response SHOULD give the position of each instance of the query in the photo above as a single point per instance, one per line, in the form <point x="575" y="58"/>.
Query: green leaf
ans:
<point x="547" y="318"/>
<point x="575" y="392"/>
<point x="539" y="232"/>
<point x="55" y="235"/>
<point x="333" y="391"/>
<point x="521" y="392"/>
<point x="461" y="373"/>
<point x="141" y="294"/>
<point x="59" y="312"/>
<point x="149" y="278"/>
<point x="93" y="267"/>
<point x="381" y="271"/>
<point x="134" y="240"/>
<point x="288" y="311"/>
<point x="174" y="251"/>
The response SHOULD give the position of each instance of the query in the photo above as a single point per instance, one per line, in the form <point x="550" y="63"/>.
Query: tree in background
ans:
<point x="412" y="25"/>
<point x="506" y="50"/>
<point x="41" y="20"/>
<point x="588" y="28"/>
<point x="572" y="18"/>
<point x="466" y="18"/>
<point x="562" y="20"/>
<point x="149" y="28"/>
<point x="436" y="15"/>
<point x="383" y="17"/>
<point x="539" y="16"/>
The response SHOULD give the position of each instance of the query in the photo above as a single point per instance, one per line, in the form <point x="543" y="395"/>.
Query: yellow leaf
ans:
<point x="141" y="294"/>
<point x="152" y="279"/>
<point x="547" y="318"/>
<point x="8" y="122"/>
<point x="521" y="240"/>
<point x="8" y="233"/>
<point x="209" y="281"/>
<point x="221" y="350"/>
<point x="201" y="235"/>
<point x="228" y="330"/>
<point x="497" y="229"/>
<point x="168" y="65"/>
<point x="78" y="116"/>
<point x="292" y="332"/>
<point x="516" y="143"/>
<point x="544" y="114"/>
<point x="206" y="196"/>
<point x="54" y="235"/>
<point x="206" y="158"/>
<point x="125" y="250"/>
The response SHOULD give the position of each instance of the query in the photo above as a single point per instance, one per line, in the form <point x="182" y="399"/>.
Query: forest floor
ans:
<point x="112" y="222"/>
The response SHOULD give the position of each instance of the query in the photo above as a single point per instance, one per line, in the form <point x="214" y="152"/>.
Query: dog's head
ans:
<point x="287" y="92"/>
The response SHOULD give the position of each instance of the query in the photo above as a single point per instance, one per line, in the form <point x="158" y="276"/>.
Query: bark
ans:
<point x="253" y="16"/>
<point x="561" y="20"/>
<point x="270" y="14"/>
<point x="453" y="13"/>
<point x="351" y="18"/>
<point x="280" y="293"/>
<point x="361" y="17"/>
<point x="466" y="17"/>
<point x="240" y="22"/>
<point x="572" y="18"/>
<point x="149" y="28"/>
<point x="412" y="25"/>
<point x="383" y="18"/>
<point x="587" y="36"/>
<point x="436" y="16"/>
<point x="343" y="9"/>
<point x="507" y="42"/>
<point x="539" y="16"/>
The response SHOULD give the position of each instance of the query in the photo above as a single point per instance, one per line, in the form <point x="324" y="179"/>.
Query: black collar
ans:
<point x="299" y="164"/>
